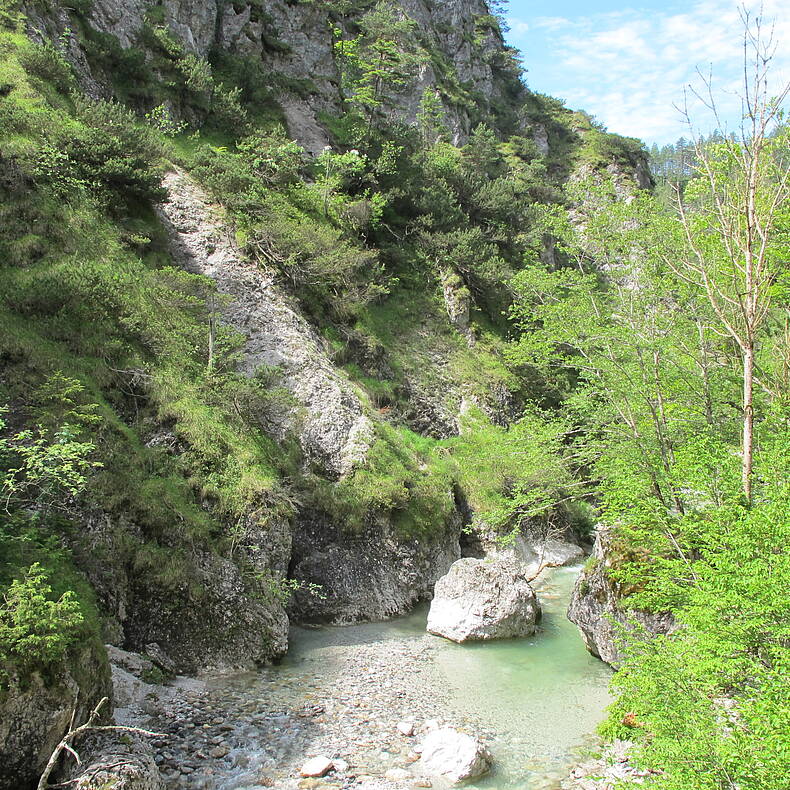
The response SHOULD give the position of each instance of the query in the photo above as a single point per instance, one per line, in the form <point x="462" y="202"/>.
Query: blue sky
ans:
<point x="628" y="64"/>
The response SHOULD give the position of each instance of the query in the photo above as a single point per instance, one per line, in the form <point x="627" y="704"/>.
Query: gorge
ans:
<point x="313" y="309"/>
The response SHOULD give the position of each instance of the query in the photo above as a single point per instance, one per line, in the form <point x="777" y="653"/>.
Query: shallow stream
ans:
<point x="341" y="690"/>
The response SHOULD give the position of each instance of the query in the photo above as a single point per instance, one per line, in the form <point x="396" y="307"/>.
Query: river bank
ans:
<point x="342" y="691"/>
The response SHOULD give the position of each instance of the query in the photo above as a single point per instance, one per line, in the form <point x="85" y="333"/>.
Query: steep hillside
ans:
<point x="253" y="314"/>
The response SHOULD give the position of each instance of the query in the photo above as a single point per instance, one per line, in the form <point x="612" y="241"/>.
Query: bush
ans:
<point x="115" y="153"/>
<point x="43" y="470"/>
<point x="46" y="62"/>
<point x="273" y="158"/>
<point x="34" y="629"/>
<point x="712" y="700"/>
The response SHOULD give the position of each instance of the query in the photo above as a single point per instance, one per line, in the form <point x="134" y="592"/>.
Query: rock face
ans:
<point x="536" y="551"/>
<point x="484" y="599"/>
<point x="544" y="543"/>
<point x="213" y="617"/>
<point x="226" y="627"/>
<point x="327" y="415"/>
<point x="294" y="40"/>
<point x="457" y="302"/>
<point x="454" y="755"/>
<point x="369" y="576"/>
<point x="596" y="605"/>
<point x="35" y="712"/>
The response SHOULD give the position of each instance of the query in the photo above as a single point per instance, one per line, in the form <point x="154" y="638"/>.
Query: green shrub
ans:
<point x="46" y="62"/>
<point x="43" y="469"/>
<point x="108" y="154"/>
<point x="34" y="629"/>
<point x="273" y="157"/>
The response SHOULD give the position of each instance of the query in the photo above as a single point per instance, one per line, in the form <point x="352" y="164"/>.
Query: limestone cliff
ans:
<point x="466" y="64"/>
<point x="327" y="415"/>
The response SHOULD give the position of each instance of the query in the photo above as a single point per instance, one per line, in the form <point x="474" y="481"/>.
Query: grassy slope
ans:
<point x="86" y="291"/>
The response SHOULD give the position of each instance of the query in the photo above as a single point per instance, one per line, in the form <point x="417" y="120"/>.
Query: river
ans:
<point x="341" y="690"/>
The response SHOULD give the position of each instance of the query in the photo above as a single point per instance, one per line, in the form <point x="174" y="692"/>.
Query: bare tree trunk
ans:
<point x="705" y="374"/>
<point x="212" y="331"/>
<point x="74" y="733"/>
<point x="748" y="420"/>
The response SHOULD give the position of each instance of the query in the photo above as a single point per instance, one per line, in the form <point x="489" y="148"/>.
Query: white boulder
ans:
<point x="484" y="599"/>
<point x="454" y="755"/>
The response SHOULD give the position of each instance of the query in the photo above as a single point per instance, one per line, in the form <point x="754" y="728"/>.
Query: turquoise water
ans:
<point x="541" y="697"/>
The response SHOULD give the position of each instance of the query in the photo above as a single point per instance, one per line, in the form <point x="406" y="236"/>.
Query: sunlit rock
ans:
<point x="484" y="599"/>
<point x="454" y="755"/>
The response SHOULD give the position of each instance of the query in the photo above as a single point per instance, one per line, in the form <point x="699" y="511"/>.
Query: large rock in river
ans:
<point x="597" y="605"/>
<point x="484" y="599"/>
<point x="454" y="755"/>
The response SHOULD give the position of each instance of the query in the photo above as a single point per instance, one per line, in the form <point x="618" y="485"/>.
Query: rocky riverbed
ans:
<point x="342" y="693"/>
<point x="344" y="702"/>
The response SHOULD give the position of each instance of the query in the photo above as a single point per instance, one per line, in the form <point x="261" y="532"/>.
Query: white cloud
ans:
<point x="630" y="68"/>
<point x="518" y="26"/>
<point x="551" y="22"/>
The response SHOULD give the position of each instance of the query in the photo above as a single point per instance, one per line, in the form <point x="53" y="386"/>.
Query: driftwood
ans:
<point x="90" y="726"/>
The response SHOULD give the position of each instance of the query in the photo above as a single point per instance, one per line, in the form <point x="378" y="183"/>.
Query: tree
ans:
<point x="382" y="59"/>
<point x="34" y="629"/>
<point x="730" y="216"/>
<point x="630" y="354"/>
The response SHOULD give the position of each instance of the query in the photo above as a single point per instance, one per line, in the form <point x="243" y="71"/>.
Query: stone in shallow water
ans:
<point x="406" y="728"/>
<point x="318" y="766"/>
<point x="454" y="755"/>
<point x="484" y="599"/>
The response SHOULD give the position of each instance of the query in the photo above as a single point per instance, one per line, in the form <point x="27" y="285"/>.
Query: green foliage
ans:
<point x="711" y="700"/>
<point x="629" y="369"/>
<point x="34" y="629"/>
<point x="162" y="119"/>
<point x="273" y="158"/>
<point x="46" y="62"/>
<point x="109" y="154"/>
<point x="639" y="360"/>
<point x="275" y="589"/>
<point x="306" y="230"/>
<point x="511" y="476"/>
<point x="48" y="466"/>
<point x="43" y="473"/>
<point x="405" y="477"/>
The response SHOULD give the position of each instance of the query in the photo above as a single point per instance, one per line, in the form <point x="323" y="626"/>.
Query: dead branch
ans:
<point x="77" y="732"/>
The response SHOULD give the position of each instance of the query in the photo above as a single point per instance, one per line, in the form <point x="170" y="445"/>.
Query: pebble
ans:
<point x="369" y="702"/>
<point x="406" y="728"/>
<point x="317" y="766"/>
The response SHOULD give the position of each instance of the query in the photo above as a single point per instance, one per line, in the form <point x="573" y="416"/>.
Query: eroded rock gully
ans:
<point x="327" y="416"/>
